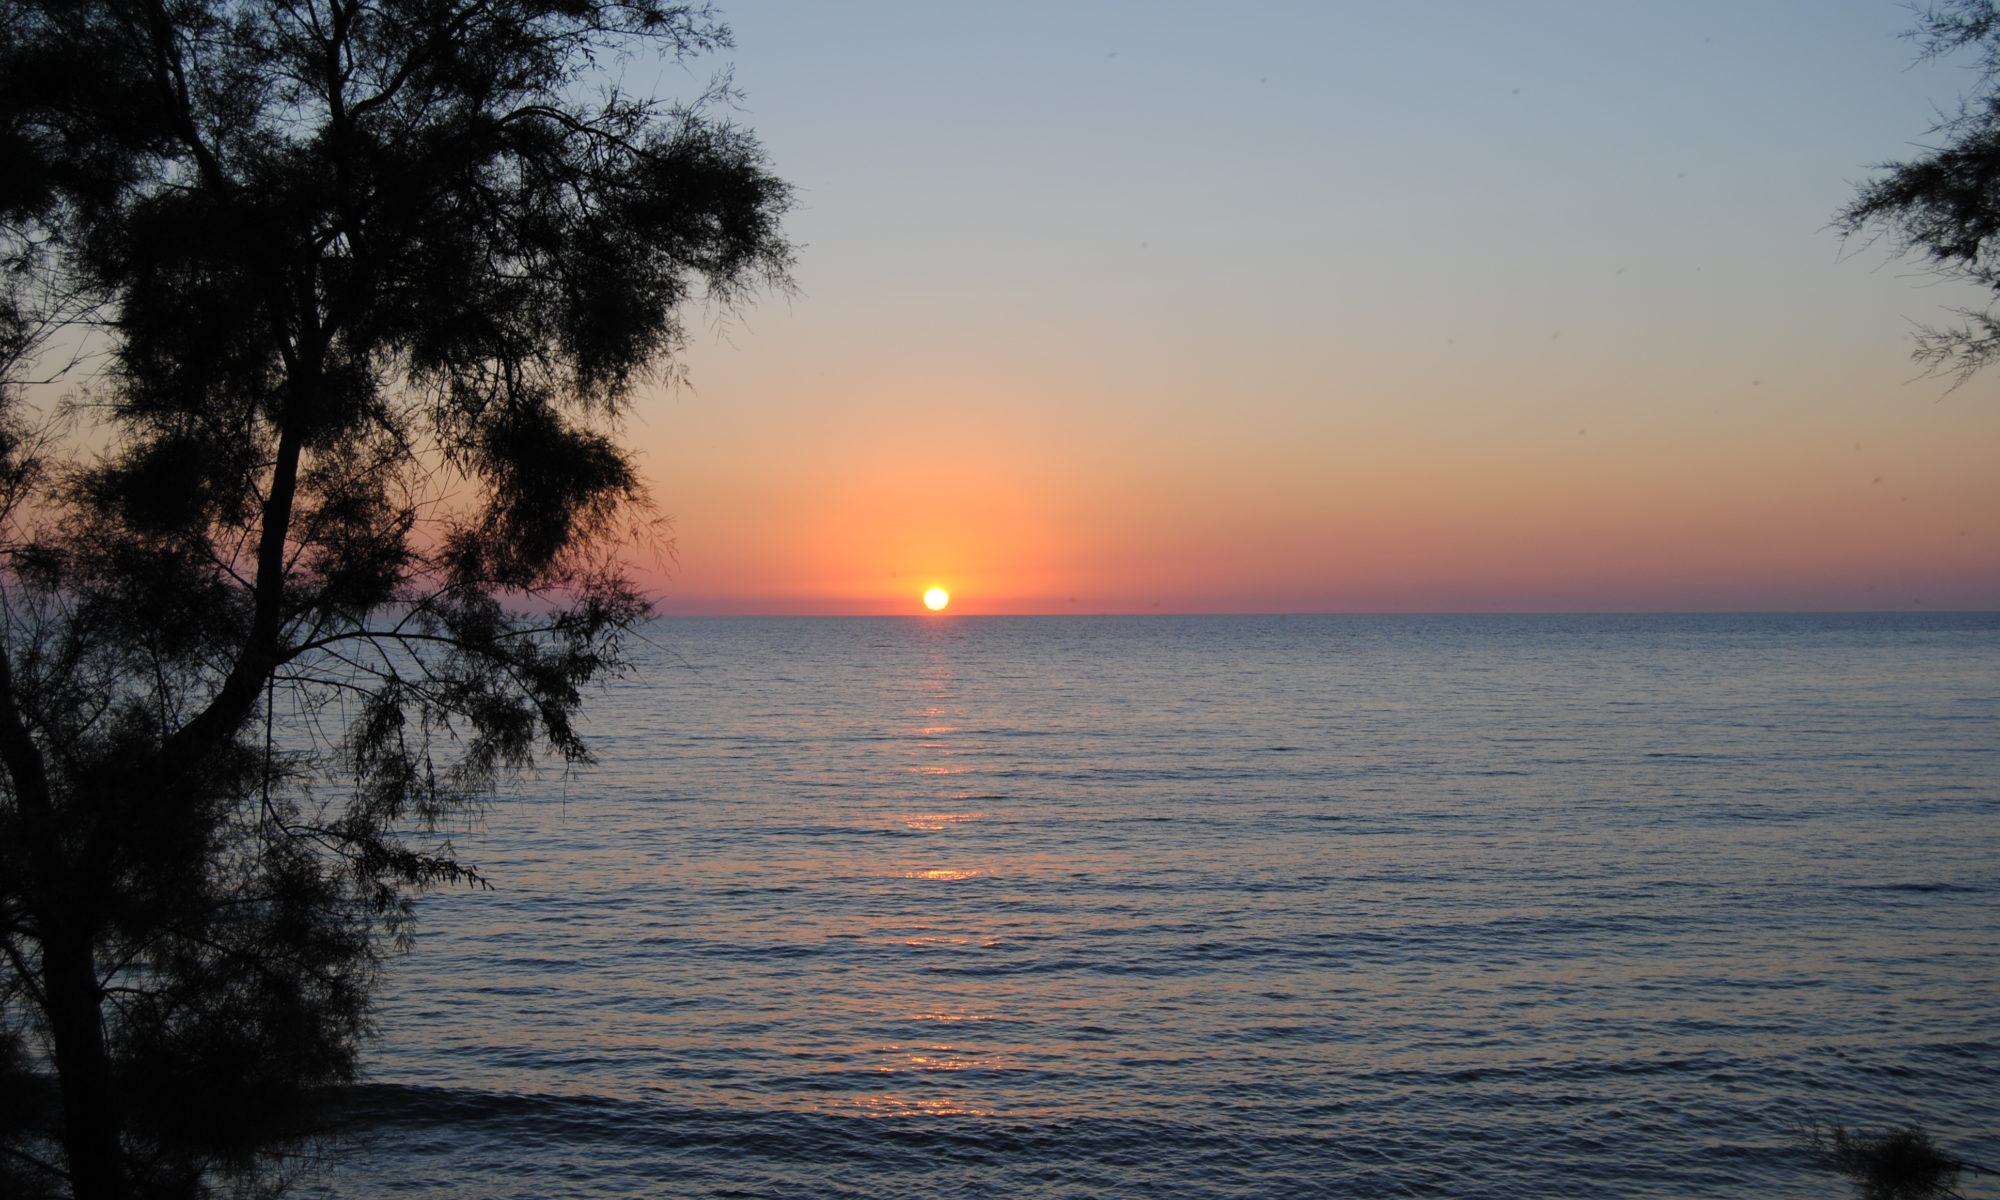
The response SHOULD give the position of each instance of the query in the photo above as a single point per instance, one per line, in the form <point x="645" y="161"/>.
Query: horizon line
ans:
<point x="1425" y="612"/>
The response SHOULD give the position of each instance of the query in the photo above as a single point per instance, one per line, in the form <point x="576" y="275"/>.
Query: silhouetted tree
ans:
<point x="1896" y="1164"/>
<point x="1944" y="207"/>
<point x="331" y="539"/>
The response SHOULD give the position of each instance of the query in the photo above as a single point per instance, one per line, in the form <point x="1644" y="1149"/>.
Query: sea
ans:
<point x="1206" y="907"/>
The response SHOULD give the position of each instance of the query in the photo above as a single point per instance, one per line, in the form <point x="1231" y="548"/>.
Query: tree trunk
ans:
<point x="89" y="1096"/>
<point x="258" y="655"/>
<point x="71" y="996"/>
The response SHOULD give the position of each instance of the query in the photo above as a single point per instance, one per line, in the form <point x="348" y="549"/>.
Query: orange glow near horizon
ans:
<point x="1080" y="500"/>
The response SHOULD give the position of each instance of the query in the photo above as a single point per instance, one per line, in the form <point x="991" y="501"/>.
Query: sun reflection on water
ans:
<point x="889" y="1105"/>
<point x="937" y="821"/>
<point x="941" y="1056"/>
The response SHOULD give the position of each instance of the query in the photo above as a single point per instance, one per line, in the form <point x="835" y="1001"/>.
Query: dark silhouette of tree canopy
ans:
<point x="330" y="539"/>
<point x="1944" y="207"/>
<point x="1895" y="1164"/>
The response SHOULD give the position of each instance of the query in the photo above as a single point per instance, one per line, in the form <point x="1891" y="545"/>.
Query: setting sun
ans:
<point x="936" y="599"/>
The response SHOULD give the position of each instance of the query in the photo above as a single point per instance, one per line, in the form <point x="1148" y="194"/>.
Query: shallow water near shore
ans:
<point x="1218" y="907"/>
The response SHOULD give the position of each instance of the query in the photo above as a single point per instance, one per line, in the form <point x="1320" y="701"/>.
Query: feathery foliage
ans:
<point x="1943" y="207"/>
<point x="1895" y="1164"/>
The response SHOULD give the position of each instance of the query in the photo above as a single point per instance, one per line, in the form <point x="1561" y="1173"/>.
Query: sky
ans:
<point x="1326" y="307"/>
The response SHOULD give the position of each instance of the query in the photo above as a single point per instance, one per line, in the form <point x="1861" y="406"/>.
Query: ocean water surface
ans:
<point x="1218" y="907"/>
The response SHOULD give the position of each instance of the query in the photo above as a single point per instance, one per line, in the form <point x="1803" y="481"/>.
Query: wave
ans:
<point x="1386" y="1139"/>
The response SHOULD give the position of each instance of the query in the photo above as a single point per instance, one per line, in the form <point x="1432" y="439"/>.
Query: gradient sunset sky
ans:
<point x="1324" y="307"/>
